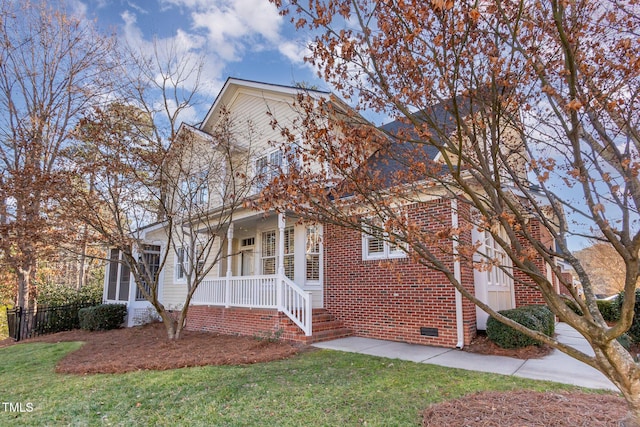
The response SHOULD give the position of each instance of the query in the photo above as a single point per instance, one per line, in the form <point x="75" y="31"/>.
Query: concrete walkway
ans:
<point x="557" y="366"/>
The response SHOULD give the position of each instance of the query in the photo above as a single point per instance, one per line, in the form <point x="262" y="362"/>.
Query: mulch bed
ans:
<point x="483" y="345"/>
<point x="147" y="348"/>
<point x="527" y="409"/>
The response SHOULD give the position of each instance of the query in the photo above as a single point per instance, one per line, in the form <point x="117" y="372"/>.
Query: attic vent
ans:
<point x="429" y="332"/>
<point x="250" y="241"/>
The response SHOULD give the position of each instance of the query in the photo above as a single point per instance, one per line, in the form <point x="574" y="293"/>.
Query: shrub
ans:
<point x="573" y="306"/>
<point x="609" y="310"/>
<point x="634" y="331"/>
<point x="103" y="317"/>
<point x="545" y="315"/>
<point x="57" y="318"/>
<point x="4" y="326"/>
<point x="61" y="294"/>
<point x="507" y="337"/>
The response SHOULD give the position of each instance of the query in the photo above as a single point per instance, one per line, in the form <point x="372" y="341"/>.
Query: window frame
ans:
<point x="389" y="250"/>
<point x="180" y="272"/>
<point x="313" y="249"/>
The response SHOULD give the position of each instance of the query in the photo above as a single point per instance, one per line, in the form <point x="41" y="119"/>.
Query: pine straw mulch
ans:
<point x="527" y="408"/>
<point x="146" y="348"/>
<point x="483" y="345"/>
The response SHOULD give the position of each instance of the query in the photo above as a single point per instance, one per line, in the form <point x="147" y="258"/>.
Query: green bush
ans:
<point x="61" y="294"/>
<point x="103" y="317"/>
<point x="4" y="326"/>
<point x="545" y="315"/>
<point x="609" y="310"/>
<point x="507" y="337"/>
<point x="57" y="318"/>
<point x="634" y="331"/>
<point x="573" y="306"/>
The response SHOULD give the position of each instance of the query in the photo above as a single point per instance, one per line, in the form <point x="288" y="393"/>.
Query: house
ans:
<point x="310" y="281"/>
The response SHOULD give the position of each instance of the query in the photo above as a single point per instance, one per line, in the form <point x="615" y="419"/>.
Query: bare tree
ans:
<point x="203" y="171"/>
<point x="522" y="116"/>
<point x="52" y="67"/>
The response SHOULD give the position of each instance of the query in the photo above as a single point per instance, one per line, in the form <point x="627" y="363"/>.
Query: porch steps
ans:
<point x="324" y="327"/>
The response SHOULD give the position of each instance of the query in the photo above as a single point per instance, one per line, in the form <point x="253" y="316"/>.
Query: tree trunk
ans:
<point x="615" y="362"/>
<point x="25" y="274"/>
<point x="170" y="323"/>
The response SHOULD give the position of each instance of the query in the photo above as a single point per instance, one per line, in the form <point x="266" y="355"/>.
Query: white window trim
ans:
<point x="194" y="189"/>
<point x="387" y="247"/>
<point x="180" y="266"/>
<point x="263" y="182"/>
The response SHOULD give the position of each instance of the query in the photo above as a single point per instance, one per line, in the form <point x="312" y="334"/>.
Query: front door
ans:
<point x="246" y="262"/>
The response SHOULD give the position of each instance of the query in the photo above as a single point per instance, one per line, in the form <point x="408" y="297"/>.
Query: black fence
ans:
<point x="42" y="320"/>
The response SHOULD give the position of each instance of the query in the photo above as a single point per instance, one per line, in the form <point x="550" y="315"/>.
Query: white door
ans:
<point x="246" y="262"/>
<point x="494" y="285"/>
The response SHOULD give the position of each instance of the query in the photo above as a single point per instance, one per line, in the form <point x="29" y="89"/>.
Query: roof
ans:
<point x="233" y="84"/>
<point x="406" y="146"/>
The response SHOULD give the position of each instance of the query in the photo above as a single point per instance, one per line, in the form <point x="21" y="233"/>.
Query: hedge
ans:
<point x="634" y="331"/>
<point x="505" y="336"/>
<point x="103" y="317"/>
<point x="609" y="310"/>
<point x="545" y="315"/>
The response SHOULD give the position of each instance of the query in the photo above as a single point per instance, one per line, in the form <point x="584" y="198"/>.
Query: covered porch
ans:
<point x="269" y="262"/>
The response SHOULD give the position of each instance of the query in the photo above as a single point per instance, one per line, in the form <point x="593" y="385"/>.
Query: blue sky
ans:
<point x="240" y="38"/>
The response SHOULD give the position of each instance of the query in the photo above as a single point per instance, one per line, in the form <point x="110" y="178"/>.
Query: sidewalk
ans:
<point x="557" y="366"/>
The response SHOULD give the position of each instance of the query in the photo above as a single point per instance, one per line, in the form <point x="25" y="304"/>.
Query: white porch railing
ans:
<point x="296" y="304"/>
<point x="258" y="292"/>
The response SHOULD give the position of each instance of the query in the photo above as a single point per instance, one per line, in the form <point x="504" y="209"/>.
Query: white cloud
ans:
<point x="233" y="27"/>
<point x="294" y="51"/>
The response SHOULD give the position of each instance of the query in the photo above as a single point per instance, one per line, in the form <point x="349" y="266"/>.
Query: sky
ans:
<point x="245" y="39"/>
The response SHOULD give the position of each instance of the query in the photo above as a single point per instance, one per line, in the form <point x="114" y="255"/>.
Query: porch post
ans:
<point x="227" y="285"/>
<point x="281" y="225"/>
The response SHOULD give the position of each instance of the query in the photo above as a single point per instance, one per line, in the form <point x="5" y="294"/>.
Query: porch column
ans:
<point x="227" y="290"/>
<point x="281" y="225"/>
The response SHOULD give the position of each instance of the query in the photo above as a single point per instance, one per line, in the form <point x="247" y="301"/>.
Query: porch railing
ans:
<point x="258" y="292"/>
<point x="296" y="304"/>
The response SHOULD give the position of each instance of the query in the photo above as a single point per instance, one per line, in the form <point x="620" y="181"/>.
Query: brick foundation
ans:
<point x="236" y="321"/>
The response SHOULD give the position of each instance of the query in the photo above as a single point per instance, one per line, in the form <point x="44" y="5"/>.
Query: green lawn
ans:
<point x="315" y="388"/>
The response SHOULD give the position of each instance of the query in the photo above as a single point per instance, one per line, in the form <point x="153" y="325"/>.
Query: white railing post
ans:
<point x="227" y="286"/>
<point x="281" y="225"/>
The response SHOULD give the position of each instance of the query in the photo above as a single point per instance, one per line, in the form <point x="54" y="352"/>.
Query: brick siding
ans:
<point x="394" y="299"/>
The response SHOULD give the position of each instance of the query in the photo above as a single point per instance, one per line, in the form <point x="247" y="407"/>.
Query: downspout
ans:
<point x="458" y="276"/>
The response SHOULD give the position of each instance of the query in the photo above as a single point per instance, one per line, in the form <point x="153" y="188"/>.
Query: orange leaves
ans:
<point x="573" y="105"/>
<point x="442" y="4"/>
<point x="474" y="14"/>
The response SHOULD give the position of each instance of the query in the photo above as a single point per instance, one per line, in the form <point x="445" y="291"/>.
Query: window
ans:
<point x="376" y="244"/>
<point x="181" y="263"/>
<point x="269" y="252"/>
<point x="200" y="259"/>
<point x="118" y="278"/>
<point x="267" y="168"/>
<point x="149" y="263"/>
<point x="112" y="283"/>
<point x="194" y="190"/>
<point x="312" y="253"/>
<point x="498" y="275"/>
<point x="289" y="262"/>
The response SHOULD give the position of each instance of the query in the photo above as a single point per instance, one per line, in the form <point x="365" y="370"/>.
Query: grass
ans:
<point x="323" y="388"/>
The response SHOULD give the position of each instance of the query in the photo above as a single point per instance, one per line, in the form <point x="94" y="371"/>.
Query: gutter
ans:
<point x="458" y="276"/>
